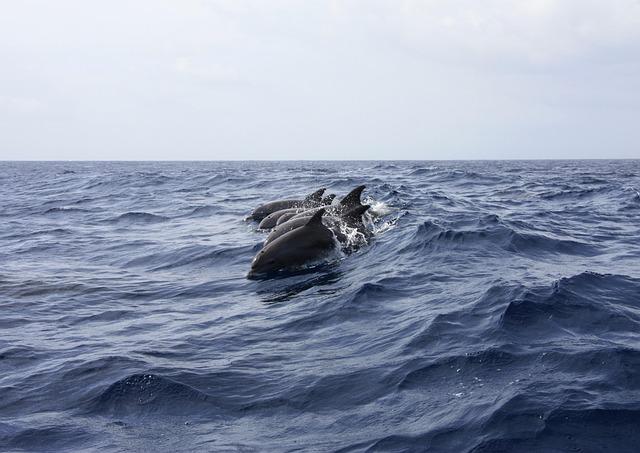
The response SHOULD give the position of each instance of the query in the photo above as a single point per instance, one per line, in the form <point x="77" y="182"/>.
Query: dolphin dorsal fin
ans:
<point x="315" y="196"/>
<point x="356" y="212"/>
<point x="316" y="218"/>
<point x="352" y="199"/>
<point x="328" y="199"/>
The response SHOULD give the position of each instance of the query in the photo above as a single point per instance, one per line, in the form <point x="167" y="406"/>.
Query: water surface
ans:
<point x="497" y="309"/>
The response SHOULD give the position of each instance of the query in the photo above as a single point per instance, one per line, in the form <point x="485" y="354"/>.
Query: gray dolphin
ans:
<point x="350" y="201"/>
<point x="352" y="219"/>
<point x="271" y="220"/>
<point x="310" y="201"/>
<point x="284" y="217"/>
<point x="328" y="199"/>
<point x="298" y="247"/>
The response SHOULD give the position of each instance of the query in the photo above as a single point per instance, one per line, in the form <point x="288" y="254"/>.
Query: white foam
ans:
<point x="373" y="217"/>
<point x="378" y="208"/>
<point x="384" y="226"/>
<point x="355" y="238"/>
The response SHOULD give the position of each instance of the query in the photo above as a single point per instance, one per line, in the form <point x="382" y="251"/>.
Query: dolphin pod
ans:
<point x="306" y="231"/>
<point x="310" y="201"/>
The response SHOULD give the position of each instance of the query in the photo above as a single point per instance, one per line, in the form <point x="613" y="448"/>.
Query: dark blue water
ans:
<point x="497" y="309"/>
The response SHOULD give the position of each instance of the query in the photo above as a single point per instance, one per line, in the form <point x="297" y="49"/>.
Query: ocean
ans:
<point x="495" y="309"/>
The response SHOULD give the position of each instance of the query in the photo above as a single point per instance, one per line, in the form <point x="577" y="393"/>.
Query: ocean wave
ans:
<point x="150" y="394"/>
<point x="204" y="211"/>
<point x="471" y="367"/>
<point x="347" y="390"/>
<point x="31" y="288"/>
<point x="60" y="437"/>
<point x="65" y="210"/>
<point x="574" y="193"/>
<point x="45" y="232"/>
<point x="432" y="236"/>
<point x="562" y="429"/>
<point x="588" y="302"/>
<point x="190" y="256"/>
<point x="423" y="171"/>
<point x="134" y="217"/>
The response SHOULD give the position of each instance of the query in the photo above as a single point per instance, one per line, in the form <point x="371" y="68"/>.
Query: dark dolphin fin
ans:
<point x="356" y="212"/>
<point x="315" y="196"/>
<point x="352" y="200"/>
<point x="328" y="199"/>
<point x="316" y="219"/>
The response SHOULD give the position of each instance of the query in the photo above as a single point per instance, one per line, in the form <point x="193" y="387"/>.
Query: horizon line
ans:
<point x="324" y="160"/>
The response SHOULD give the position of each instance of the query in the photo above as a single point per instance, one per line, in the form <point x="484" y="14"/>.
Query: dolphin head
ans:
<point x="266" y="262"/>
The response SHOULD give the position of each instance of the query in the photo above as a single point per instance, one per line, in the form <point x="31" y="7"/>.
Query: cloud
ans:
<point x="320" y="78"/>
<point x="531" y="32"/>
<point x="208" y="72"/>
<point x="13" y="105"/>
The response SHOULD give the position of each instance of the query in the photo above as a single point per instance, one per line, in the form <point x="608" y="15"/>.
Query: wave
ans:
<point x="37" y="233"/>
<point x="150" y="394"/>
<point x="574" y="193"/>
<point x="532" y="429"/>
<point x="605" y="305"/>
<point x="62" y="437"/>
<point x="631" y="201"/>
<point x="32" y="287"/>
<point x="65" y="210"/>
<point x="588" y="302"/>
<point x="346" y="390"/>
<point x="191" y="256"/>
<point x="431" y="236"/>
<point x="135" y="217"/>
<point x="218" y="180"/>
<point x="105" y="316"/>
<point x="423" y="171"/>
<point x="472" y="367"/>
<point x="209" y="211"/>
<point x="563" y="429"/>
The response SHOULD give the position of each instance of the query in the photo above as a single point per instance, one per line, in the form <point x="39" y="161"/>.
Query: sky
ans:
<point x="311" y="79"/>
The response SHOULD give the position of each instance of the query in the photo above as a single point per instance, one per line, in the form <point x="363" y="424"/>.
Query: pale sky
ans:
<point x="352" y="79"/>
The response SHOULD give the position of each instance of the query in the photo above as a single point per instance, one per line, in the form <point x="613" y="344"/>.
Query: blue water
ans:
<point x="497" y="309"/>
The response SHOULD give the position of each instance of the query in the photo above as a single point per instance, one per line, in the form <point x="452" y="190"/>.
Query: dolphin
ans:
<point x="350" y="201"/>
<point x="328" y="199"/>
<point x="298" y="247"/>
<point x="352" y="219"/>
<point x="284" y="217"/>
<point x="309" y="201"/>
<point x="271" y="220"/>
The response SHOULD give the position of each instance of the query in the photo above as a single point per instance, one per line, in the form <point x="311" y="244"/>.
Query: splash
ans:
<point x="378" y="208"/>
